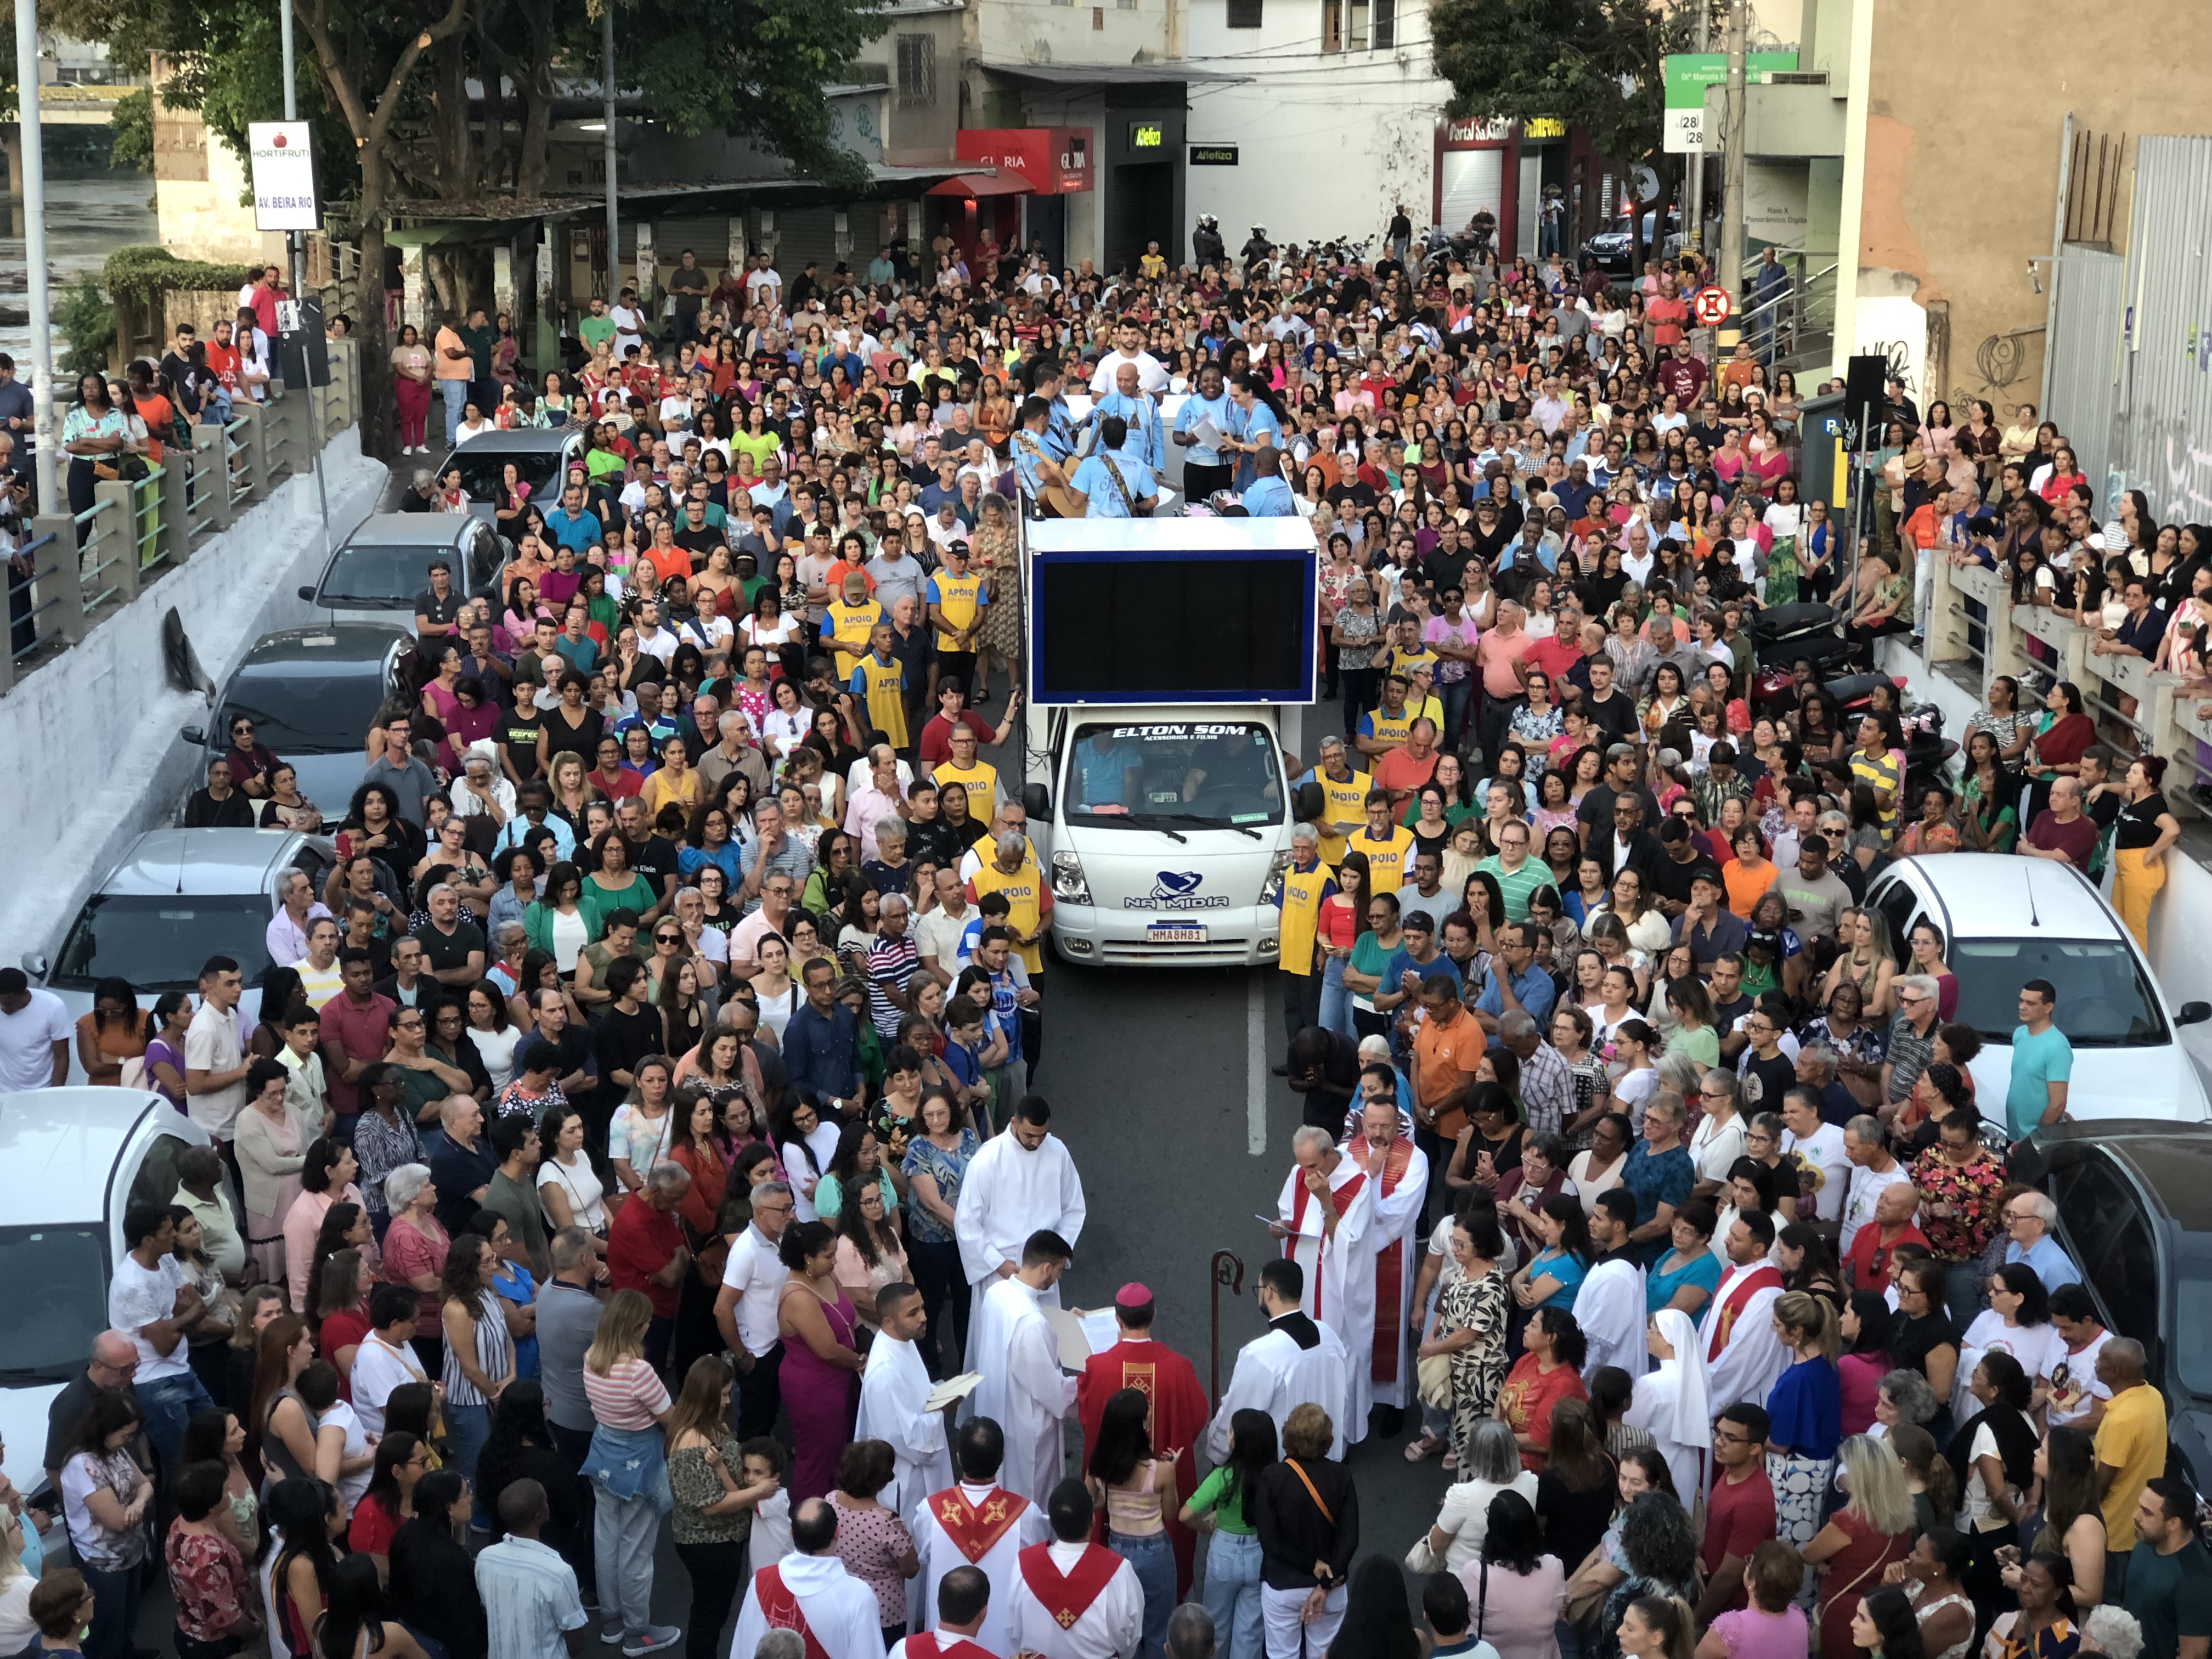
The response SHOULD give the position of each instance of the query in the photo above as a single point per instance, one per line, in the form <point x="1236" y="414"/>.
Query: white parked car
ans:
<point x="76" y="1158"/>
<point x="2007" y="919"/>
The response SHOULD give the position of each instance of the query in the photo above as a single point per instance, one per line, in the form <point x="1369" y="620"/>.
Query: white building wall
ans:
<point x="1327" y="142"/>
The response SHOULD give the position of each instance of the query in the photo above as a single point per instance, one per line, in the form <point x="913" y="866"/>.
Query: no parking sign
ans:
<point x="1710" y="307"/>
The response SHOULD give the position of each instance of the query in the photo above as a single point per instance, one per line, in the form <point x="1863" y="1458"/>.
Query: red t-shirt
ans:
<point x="362" y="1032"/>
<point x="937" y="736"/>
<point x="1870" y="1258"/>
<point x="639" y="1245"/>
<point x="371" y="1530"/>
<point x="343" y="1330"/>
<point x="1554" y="655"/>
<point x="1739" y="1518"/>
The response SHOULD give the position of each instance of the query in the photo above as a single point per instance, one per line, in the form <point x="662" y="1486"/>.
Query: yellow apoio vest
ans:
<point x="1024" y="890"/>
<point x="960" y="597"/>
<point x="850" y="626"/>
<point x="1302" y="896"/>
<point x="885" y="698"/>
<point x="981" y="781"/>
<point x="1386" y="859"/>
<point x="1347" y="804"/>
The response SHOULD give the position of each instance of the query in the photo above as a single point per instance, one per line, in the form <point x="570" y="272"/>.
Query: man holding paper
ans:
<point x="1021" y="1184"/>
<point x="1023" y="1389"/>
<point x="1325" y="1220"/>
<point x="1177" y="1416"/>
<point x="896" y="1402"/>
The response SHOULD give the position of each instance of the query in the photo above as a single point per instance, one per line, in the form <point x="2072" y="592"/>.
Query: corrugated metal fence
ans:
<point x="2082" y="367"/>
<point x="2161" y="441"/>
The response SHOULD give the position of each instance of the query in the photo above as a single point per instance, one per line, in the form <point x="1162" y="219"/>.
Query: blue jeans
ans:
<point x="114" y="1611"/>
<point x="456" y="396"/>
<point x="1572" y="1643"/>
<point x="1336" y="1001"/>
<point x="1154" y="1560"/>
<point x="470" y="1427"/>
<point x="169" y="1404"/>
<point x="1454" y="696"/>
<point x="1232" y="1595"/>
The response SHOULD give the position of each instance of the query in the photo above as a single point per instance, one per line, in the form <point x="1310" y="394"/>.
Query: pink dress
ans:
<point x="821" y="1400"/>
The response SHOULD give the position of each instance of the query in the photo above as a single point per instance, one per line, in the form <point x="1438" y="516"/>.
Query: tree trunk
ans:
<point x="378" y="410"/>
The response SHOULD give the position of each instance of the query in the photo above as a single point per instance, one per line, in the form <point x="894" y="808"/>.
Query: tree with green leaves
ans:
<point x="1596" y="64"/>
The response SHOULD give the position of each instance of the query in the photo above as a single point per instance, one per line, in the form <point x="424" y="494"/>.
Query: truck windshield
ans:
<point x="1205" y="775"/>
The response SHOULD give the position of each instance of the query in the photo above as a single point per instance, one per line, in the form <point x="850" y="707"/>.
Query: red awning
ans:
<point x="1006" y="182"/>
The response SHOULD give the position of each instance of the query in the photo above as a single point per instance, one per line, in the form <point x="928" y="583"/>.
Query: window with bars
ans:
<point x="917" y="69"/>
<point x="1245" y="14"/>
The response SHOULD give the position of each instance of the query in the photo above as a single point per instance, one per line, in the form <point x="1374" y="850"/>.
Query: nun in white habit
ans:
<point x="1671" y="1400"/>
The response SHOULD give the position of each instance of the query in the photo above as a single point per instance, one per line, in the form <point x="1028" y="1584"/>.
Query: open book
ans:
<point x="952" y="1388"/>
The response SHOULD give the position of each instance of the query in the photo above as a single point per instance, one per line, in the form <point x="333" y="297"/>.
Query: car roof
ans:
<point x="202" y="861"/>
<point x="59" y="1149"/>
<point x="412" y="529"/>
<point x="519" y="440"/>
<point x="329" y="645"/>
<point x="1999" y="896"/>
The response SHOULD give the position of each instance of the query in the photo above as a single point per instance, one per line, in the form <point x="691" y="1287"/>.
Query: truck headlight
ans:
<point x="1069" y="885"/>
<point x="1271" y="890"/>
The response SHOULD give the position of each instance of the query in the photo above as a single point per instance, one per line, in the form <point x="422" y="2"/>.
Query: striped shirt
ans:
<point x="891" y="963"/>
<point x="630" y="1396"/>
<point x="529" y="1595"/>
<point x="495" y="1353"/>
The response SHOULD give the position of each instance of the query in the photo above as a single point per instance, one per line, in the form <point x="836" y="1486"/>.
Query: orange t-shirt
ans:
<point x="1446" y="1052"/>
<point x="668" y="561"/>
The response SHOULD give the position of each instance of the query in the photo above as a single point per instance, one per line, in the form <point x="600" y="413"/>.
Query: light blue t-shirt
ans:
<point x="1104" y="775"/>
<point x="1566" y="1269"/>
<point x="1195" y="408"/>
<point x="2036" y="1062"/>
<point x="1270" y="498"/>
<point x="1095" y="482"/>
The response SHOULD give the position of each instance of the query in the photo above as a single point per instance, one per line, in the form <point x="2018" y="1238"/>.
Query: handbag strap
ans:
<point x="1482" y="1598"/>
<point x="1306" y="1481"/>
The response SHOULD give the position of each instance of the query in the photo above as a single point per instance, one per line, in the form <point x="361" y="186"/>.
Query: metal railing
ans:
<point x="1781" y="324"/>
<point x="137" y="531"/>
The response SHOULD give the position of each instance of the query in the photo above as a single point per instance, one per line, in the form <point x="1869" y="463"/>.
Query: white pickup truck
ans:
<point x="1169" y="663"/>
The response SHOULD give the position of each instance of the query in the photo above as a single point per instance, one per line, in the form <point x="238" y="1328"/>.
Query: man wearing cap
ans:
<point x="1708" y="926"/>
<point x="1177" y="1415"/>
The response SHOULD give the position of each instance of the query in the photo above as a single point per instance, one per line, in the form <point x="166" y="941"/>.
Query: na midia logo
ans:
<point x="1177" y="890"/>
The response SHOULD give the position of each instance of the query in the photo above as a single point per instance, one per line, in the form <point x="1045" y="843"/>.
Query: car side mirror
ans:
<point x="193" y="735"/>
<point x="1036" y="801"/>
<point x="2193" y="1013"/>
<point x="34" y="964"/>
<point x="308" y="592"/>
<point x="1311" y="803"/>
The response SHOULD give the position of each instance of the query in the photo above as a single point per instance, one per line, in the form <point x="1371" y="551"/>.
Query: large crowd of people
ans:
<point x="640" y="1122"/>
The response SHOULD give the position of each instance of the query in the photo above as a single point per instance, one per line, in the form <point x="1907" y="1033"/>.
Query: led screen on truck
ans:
<point x="1191" y="627"/>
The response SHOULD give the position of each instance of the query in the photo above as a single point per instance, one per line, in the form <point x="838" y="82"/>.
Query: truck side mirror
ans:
<point x="308" y="592"/>
<point x="1310" y="803"/>
<point x="1037" y="801"/>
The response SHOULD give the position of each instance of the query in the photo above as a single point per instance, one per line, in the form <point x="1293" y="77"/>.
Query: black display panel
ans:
<point x="1190" y="628"/>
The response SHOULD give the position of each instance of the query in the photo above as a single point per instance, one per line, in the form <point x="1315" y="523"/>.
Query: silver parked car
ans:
<point x="376" y="575"/>
<point x="177" y="897"/>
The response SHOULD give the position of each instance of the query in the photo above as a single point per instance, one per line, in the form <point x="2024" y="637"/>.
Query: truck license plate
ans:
<point x="1176" y="933"/>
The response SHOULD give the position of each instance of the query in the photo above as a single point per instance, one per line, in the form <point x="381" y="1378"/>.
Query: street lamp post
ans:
<point x="48" y="463"/>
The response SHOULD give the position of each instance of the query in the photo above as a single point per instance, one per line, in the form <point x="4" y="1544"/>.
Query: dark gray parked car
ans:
<point x="380" y="567"/>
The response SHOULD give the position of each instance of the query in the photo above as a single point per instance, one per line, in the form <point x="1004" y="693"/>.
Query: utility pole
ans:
<point x="607" y="91"/>
<point x="1731" y="273"/>
<point x="48" y="462"/>
<point x="1694" y="163"/>
<point x="298" y="260"/>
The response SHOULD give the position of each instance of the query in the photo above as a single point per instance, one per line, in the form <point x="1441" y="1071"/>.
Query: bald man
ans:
<point x="113" y="1364"/>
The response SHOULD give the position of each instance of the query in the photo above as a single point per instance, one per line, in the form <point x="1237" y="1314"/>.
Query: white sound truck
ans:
<point x="1169" y="665"/>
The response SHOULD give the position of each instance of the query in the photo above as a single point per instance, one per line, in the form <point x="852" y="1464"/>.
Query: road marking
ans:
<point x="1255" y="1065"/>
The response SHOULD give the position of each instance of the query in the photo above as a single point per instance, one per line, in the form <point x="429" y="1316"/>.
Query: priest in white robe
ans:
<point x="1743" y="1357"/>
<point x="1609" y="1305"/>
<point x="1672" y="1404"/>
<point x="1022" y="1183"/>
<point x="1323" y="1218"/>
<point x="1397" y="1177"/>
<point x="1073" y="1599"/>
<point x="1024" y="1390"/>
<point x="894" y="1388"/>
<point x="1298" y="1360"/>
<point x="812" y="1593"/>
<point x="974" y="1522"/>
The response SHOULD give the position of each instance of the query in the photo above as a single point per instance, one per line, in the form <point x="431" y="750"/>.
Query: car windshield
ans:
<point x="379" y="576"/>
<point x="159" y="941"/>
<point x="484" y="474"/>
<point x="2103" y="1001"/>
<point x="59" y="1303"/>
<point x="322" y="713"/>
<point x="1222" y="776"/>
